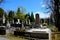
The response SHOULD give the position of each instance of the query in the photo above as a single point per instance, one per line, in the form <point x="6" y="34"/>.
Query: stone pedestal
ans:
<point x="39" y="31"/>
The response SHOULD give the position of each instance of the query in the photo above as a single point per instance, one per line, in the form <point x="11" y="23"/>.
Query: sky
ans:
<point x="35" y="6"/>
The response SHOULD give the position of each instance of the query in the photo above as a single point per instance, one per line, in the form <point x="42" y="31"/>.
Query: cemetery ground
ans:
<point x="12" y="37"/>
<point x="55" y="35"/>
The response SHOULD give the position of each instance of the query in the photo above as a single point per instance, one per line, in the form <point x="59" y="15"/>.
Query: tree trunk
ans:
<point x="57" y="15"/>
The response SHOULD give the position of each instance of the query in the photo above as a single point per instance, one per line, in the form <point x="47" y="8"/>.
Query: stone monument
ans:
<point x="8" y="24"/>
<point x="29" y="22"/>
<point x="37" y="20"/>
<point x="26" y="22"/>
<point x="18" y="22"/>
<point x="40" y="32"/>
<point x="3" y="19"/>
<point x="23" y="25"/>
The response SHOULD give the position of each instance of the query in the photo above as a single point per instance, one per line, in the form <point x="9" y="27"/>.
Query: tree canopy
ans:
<point x="20" y="15"/>
<point x="1" y="12"/>
<point x="32" y="17"/>
<point x="54" y="6"/>
<point x="1" y="1"/>
<point x="11" y="15"/>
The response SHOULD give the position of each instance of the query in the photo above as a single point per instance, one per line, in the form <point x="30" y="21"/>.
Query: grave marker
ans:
<point x="37" y="21"/>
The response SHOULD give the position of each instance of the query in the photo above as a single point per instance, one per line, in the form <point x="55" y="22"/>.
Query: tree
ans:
<point x="1" y="12"/>
<point x="51" y="20"/>
<point x="1" y="1"/>
<point x="22" y="10"/>
<point x="11" y="15"/>
<point x="56" y="14"/>
<point x="20" y="15"/>
<point x="32" y="17"/>
<point x="28" y="17"/>
<point x="6" y="17"/>
<point x="54" y="6"/>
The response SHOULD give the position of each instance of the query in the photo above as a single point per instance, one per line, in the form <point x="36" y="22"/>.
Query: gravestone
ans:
<point x="8" y="24"/>
<point x="13" y="21"/>
<point x="23" y="25"/>
<point x="29" y="22"/>
<point x="26" y="22"/>
<point x="44" y="24"/>
<point x="37" y="20"/>
<point x="18" y="22"/>
<point x="3" y="21"/>
<point x="43" y="32"/>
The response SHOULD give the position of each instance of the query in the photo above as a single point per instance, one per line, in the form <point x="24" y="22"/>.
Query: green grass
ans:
<point x="12" y="37"/>
<point x="56" y="36"/>
<point x="51" y="27"/>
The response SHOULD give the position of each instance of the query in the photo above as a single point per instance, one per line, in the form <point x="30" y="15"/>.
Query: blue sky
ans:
<point x="35" y="6"/>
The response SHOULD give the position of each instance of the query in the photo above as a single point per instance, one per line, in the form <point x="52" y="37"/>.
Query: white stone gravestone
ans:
<point x="8" y="27"/>
<point x="18" y="22"/>
<point x="13" y="21"/>
<point x="3" y="19"/>
<point x="8" y="24"/>
<point x="26" y="22"/>
<point x="23" y="25"/>
<point x="29" y="22"/>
